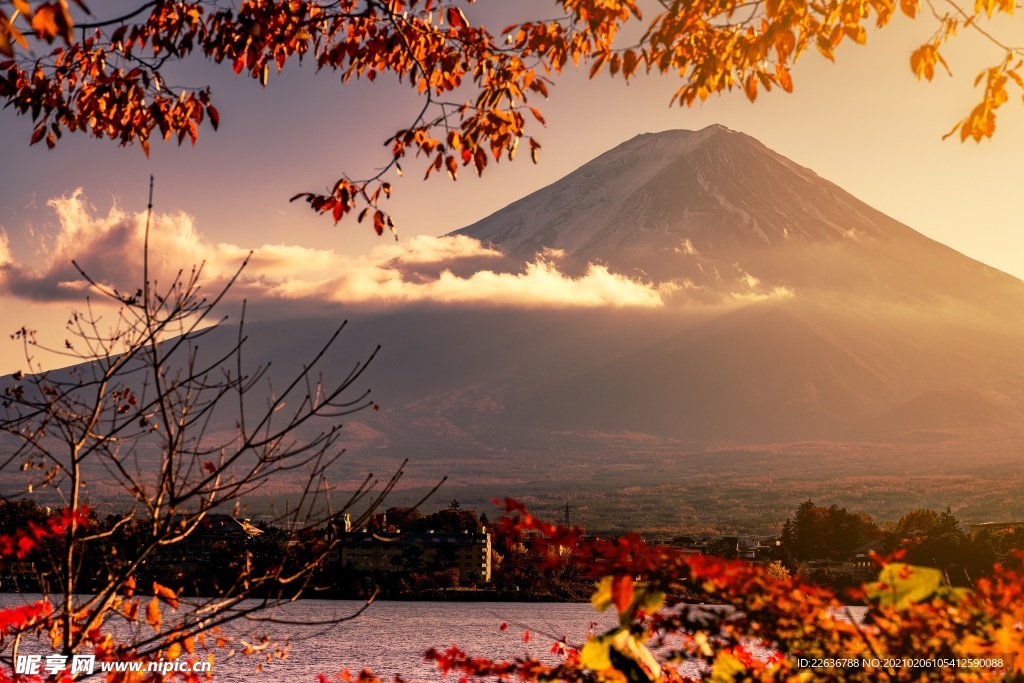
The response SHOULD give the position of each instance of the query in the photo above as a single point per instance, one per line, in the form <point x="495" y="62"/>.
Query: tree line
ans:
<point x="923" y="536"/>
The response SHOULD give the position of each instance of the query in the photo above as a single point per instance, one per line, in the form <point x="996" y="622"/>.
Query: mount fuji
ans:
<point x="808" y="345"/>
<point x="719" y="212"/>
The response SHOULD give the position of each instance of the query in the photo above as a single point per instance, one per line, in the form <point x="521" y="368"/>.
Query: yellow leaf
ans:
<point x="726" y="669"/>
<point x="619" y="649"/>
<point x="900" y="585"/>
<point x="595" y="655"/>
<point x="646" y="599"/>
<point x="602" y="597"/>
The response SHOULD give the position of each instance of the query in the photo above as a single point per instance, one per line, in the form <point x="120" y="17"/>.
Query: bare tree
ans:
<point x="139" y="409"/>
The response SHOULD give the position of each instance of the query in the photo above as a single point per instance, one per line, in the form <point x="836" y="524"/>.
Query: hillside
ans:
<point x="809" y="346"/>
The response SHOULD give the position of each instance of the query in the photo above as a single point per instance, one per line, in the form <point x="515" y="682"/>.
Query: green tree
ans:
<point x="943" y="545"/>
<point x="826" y="533"/>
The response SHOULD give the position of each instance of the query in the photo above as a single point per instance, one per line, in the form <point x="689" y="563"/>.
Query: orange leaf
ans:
<point x="153" y="614"/>
<point x="165" y="594"/>
<point x="629" y="63"/>
<point x="783" y="78"/>
<point x="622" y="592"/>
<point x="44" y="22"/>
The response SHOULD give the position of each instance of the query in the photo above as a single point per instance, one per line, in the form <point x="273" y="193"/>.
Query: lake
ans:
<point x="390" y="637"/>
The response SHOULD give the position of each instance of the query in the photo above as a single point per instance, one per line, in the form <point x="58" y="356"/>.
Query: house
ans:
<point x="469" y="552"/>
<point x="193" y="553"/>
<point x="861" y="555"/>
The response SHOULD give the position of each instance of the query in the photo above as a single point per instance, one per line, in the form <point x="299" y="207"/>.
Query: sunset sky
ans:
<point x="864" y="123"/>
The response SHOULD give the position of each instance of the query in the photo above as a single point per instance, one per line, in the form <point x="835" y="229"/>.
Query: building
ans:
<point x="469" y="552"/>
<point x="750" y="548"/>
<point x="193" y="553"/>
<point x="861" y="555"/>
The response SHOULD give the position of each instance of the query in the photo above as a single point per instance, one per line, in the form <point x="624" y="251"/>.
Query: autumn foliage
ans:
<point x="755" y="626"/>
<point x="42" y="620"/>
<point x="478" y="89"/>
<point x="762" y="627"/>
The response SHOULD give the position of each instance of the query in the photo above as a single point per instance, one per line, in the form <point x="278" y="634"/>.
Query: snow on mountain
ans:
<point x="722" y="215"/>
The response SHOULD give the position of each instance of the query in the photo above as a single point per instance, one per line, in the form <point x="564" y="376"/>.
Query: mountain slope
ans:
<point x="722" y="213"/>
<point x="806" y="336"/>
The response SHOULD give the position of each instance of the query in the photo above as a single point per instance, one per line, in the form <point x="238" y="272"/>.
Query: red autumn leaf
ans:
<point x="456" y="19"/>
<point x="209" y="467"/>
<point x="26" y="544"/>
<point x="622" y="592"/>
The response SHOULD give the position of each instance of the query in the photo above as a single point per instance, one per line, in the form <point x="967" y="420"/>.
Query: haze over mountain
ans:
<point x="722" y="213"/>
<point x="803" y="334"/>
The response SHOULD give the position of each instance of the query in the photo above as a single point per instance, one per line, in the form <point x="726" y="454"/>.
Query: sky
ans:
<point x="864" y="123"/>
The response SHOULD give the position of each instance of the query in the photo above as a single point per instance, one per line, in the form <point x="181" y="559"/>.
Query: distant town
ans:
<point x="455" y="554"/>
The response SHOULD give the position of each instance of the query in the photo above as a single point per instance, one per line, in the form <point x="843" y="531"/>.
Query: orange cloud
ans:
<point x="447" y="270"/>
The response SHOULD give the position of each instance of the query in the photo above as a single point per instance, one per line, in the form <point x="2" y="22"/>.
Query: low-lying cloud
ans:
<point x="446" y="270"/>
